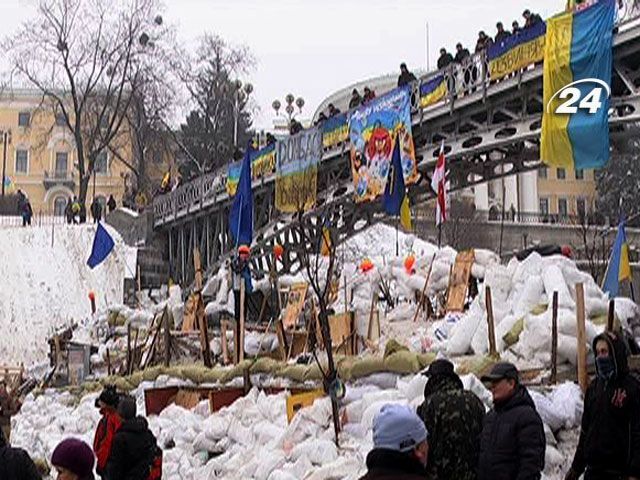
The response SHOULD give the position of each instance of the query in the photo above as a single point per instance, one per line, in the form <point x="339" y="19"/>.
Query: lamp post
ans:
<point x="6" y="138"/>
<point x="241" y="94"/>
<point x="290" y="100"/>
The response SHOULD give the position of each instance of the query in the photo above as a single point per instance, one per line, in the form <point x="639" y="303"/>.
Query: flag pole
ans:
<point x="397" y="246"/>
<point x="439" y="234"/>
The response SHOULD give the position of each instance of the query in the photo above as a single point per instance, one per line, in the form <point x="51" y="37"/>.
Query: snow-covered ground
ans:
<point x="44" y="286"/>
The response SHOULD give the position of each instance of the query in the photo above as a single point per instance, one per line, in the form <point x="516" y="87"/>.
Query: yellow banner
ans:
<point x="517" y="58"/>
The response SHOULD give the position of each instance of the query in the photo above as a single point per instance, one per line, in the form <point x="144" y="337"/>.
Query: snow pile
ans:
<point x="252" y="439"/>
<point x="46" y="286"/>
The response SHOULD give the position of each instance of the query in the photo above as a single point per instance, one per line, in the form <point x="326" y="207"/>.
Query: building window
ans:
<point x="562" y="207"/>
<point x="61" y="163"/>
<point x="100" y="165"/>
<point x="24" y="119"/>
<point x="61" y="121"/>
<point x="542" y="172"/>
<point x="544" y="206"/>
<point x="579" y="174"/>
<point x="581" y="207"/>
<point x="561" y="173"/>
<point x="22" y="161"/>
<point x="59" y="205"/>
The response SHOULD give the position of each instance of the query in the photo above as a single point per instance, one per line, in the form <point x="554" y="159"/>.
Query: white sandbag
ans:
<point x="531" y="295"/>
<point x="554" y="281"/>
<point x="414" y="388"/>
<point x="546" y="410"/>
<point x="462" y="332"/>
<point x="372" y="410"/>
<point x="281" y="475"/>
<point x="567" y="349"/>
<point x="553" y="459"/>
<point x="478" y="271"/>
<point x="382" y="380"/>
<point x="480" y="340"/>
<point x="502" y="329"/>
<point x="625" y="309"/>
<point x="319" y="452"/>
<point x="239" y="433"/>
<point x="486" y="257"/>
<point x="473" y="384"/>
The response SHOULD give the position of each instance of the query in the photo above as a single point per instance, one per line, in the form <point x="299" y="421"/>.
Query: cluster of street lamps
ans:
<point x="290" y="100"/>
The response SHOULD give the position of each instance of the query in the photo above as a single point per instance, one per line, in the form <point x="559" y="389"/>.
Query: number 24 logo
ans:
<point x="591" y="102"/>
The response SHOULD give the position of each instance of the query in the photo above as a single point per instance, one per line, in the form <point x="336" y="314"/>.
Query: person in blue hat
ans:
<point x="400" y="448"/>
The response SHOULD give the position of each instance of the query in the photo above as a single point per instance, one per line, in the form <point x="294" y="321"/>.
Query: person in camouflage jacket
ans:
<point x="453" y="416"/>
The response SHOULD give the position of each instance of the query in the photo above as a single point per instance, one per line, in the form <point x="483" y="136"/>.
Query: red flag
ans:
<point x="439" y="185"/>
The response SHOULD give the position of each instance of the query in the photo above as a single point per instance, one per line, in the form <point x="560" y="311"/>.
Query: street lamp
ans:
<point x="6" y="139"/>
<point x="241" y="94"/>
<point x="290" y="100"/>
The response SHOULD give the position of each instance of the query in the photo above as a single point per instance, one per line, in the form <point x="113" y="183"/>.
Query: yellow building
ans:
<point x="565" y="192"/>
<point x="41" y="158"/>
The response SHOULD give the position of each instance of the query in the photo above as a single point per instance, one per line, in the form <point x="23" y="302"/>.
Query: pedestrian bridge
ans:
<point x="490" y="129"/>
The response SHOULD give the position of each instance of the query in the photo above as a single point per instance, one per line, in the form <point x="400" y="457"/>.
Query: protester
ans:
<point x="241" y="273"/>
<point x="400" y="449"/>
<point x="512" y="443"/>
<point x="515" y="28"/>
<point x="96" y="210"/>
<point x="111" y="203"/>
<point x="368" y="96"/>
<point x="15" y="463"/>
<point x="73" y="459"/>
<point x="271" y="140"/>
<point x="27" y="213"/>
<point x="68" y="211"/>
<point x="134" y="448"/>
<point x="483" y="42"/>
<point x="609" y="445"/>
<point x="462" y="54"/>
<point x="75" y="210"/>
<point x="356" y="99"/>
<point x="531" y="19"/>
<point x="501" y="34"/>
<point x="295" y="127"/>
<point x="406" y="76"/>
<point x="333" y="111"/>
<point x="82" y="215"/>
<point x="320" y="120"/>
<point x="110" y="422"/>
<point x="453" y="417"/>
<point x="444" y="59"/>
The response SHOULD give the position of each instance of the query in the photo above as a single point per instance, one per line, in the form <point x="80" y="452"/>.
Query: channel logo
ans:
<point x="591" y="102"/>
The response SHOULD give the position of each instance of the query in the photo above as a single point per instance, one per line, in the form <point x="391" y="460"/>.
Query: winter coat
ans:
<point x="502" y="36"/>
<point x="240" y="270"/>
<point x="610" y="433"/>
<point x="406" y="78"/>
<point x="15" y="464"/>
<point x="385" y="464"/>
<point x="134" y="448"/>
<point x="96" y="209"/>
<point x="453" y="417"/>
<point x="461" y="56"/>
<point x="103" y="439"/>
<point x="111" y="204"/>
<point x="356" y="101"/>
<point x="444" y="60"/>
<point x="512" y="443"/>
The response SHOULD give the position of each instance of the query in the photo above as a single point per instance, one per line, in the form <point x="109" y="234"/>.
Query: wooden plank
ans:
<point x="422" y="299"/>
<point x="301" y="400"/>
<point x="340" y="329"/>
<point x="205" y="348"/>
<point x="187" y="398"/>
<point x="611" y="315"/>
<point x="240" y="327"/>
<point x="582" y="350"/>
<point x="554" y="339"/>
<point x="492" y="332"/>
<point x="459" y="281"/>
<point x="283" y="347"/>
<point x="167" y="341"/>
<point x="295" y="303"/>
<point x="198" y="269"/>
<point x="224" y="326"/>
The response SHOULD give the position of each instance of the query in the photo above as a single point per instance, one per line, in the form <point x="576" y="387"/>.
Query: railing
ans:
<point x="59" y="175"/>
<point x="40" y="219"/>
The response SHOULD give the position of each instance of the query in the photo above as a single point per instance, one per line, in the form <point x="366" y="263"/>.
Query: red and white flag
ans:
<point x="439" y="185"/>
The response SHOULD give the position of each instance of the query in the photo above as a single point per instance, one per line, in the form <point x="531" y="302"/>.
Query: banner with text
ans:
<point x="335" y="130"/>
<point x="263" y="163"/>
<point x="372" y="132"/>
<point x="517" y="51"/>
<point x="297" y="161"/>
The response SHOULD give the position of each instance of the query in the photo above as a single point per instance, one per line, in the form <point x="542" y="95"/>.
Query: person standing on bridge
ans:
<point x="406" y="77"/>
<point x="356" y="99"/>
<point x="531" y="19"/>
<point x="501" y="34"/>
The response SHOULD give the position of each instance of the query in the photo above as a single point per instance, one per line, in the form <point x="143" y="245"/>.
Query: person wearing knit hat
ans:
<point x="73" y="459"/>
<point x="108" y="425"/>
<point x="400" y="448"/>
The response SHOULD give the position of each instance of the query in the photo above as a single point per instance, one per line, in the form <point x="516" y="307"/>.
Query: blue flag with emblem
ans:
<point x="396" y="201"/>
<point x="241" y="214"/>
<point x="102" y="246"/>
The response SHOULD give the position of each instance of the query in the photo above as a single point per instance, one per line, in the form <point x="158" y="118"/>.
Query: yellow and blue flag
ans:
<point x="517" y="51"/>
<point x="396" y="200"/>
<point x="619" y="268"/>
<point x="241" y="214"/>
<point x="432" y="91"/>
<point x="577" y="64"/>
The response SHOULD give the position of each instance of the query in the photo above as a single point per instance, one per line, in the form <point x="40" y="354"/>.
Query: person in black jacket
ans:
<point x="444" y="59"/>
<point x="609" y="445"/>
<point x="501" y="34"/>
<point x="111" y="203"/>
<point x="15" y="463"/>
<point x="96" y="210"/>
<point x="531" y="19"/>
<point x="356" y="99"/>
<point x="406" y="77"/>
<point x="134" y="446"/>
<point x="512" y="444"/>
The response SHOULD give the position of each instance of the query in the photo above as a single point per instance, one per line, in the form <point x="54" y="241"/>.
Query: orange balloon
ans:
<point x="409" y="262"/>
<point x="92" y="296"/>
<point x="366" y="265"/>
<point x="278" y="250"/>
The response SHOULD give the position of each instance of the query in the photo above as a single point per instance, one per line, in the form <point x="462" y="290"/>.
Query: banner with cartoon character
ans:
<point x="372" y="132"/>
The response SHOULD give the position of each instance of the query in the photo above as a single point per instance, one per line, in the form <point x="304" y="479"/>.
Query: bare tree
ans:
<point x="593" y="245"/>
<point x="87" y="59"/>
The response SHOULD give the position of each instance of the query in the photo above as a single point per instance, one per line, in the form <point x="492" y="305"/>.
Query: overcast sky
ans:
<point x="312" y="48"/>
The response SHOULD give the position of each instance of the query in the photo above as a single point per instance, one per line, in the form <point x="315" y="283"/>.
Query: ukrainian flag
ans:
<point x="517" y="51"/>
<point x="619" y="268"/>
<point x="432" y="91"/>
<point x="233" y="177"/>
<point x="578" y="47"/>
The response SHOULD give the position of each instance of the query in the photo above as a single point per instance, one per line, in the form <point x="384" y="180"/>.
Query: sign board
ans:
<point x="459" y="281"/>
<point x="295" y="303"/>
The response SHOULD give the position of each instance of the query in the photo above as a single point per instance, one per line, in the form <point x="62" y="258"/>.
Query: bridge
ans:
<point x="491" y="129"/>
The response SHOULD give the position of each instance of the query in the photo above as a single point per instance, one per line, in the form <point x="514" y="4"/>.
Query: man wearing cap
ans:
<point x="512" y="444"/>
<point x="73" y="459"/>
<point x="453" y="417"/>
<point x="400" y="447"/>
<point x="109" y="424"/>
<point x="609" y="445"/>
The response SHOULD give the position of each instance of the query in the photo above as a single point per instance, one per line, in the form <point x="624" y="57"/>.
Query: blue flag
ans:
<point x="241" y="214"/>
<point x="619" y="268"/>
<point x="102" y="246"/>
<point x="394" y="191"/>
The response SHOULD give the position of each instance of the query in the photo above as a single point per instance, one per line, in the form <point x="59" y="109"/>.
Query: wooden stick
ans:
<point x="611" y="316"/>
<point x="582" y="350"/>
<point x="223" y="340"/>
<point x="128" y="347"/>
<point x="108" y="363"/>
<point x="241" y="326"/>
<point x="554" y="339"/>
<point x="204" y="332"/>
<point x="492" y="333"/>
<point x="134" y="353"/>
<point x="167" y="341"/>
<point x="424" y="289"/>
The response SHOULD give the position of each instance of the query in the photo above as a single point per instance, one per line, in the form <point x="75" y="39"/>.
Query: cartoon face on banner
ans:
<point x="373" y="130"/>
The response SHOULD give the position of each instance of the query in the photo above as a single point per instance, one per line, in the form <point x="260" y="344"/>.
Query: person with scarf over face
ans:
<point x="609" y="445"/>
<point x="453" y="416"/>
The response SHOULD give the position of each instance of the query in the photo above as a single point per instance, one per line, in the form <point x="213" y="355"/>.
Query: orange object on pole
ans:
<point x="278" y="250"/>
<point x="409" y="262"/>
<point x="92" y="299"/>
<point x="366" y="265"/>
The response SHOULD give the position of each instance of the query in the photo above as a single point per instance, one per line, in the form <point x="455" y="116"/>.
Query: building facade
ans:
<point x="41" y="157"/>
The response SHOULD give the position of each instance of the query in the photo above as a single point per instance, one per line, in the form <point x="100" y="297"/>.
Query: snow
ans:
<point x="45" y="286"/>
